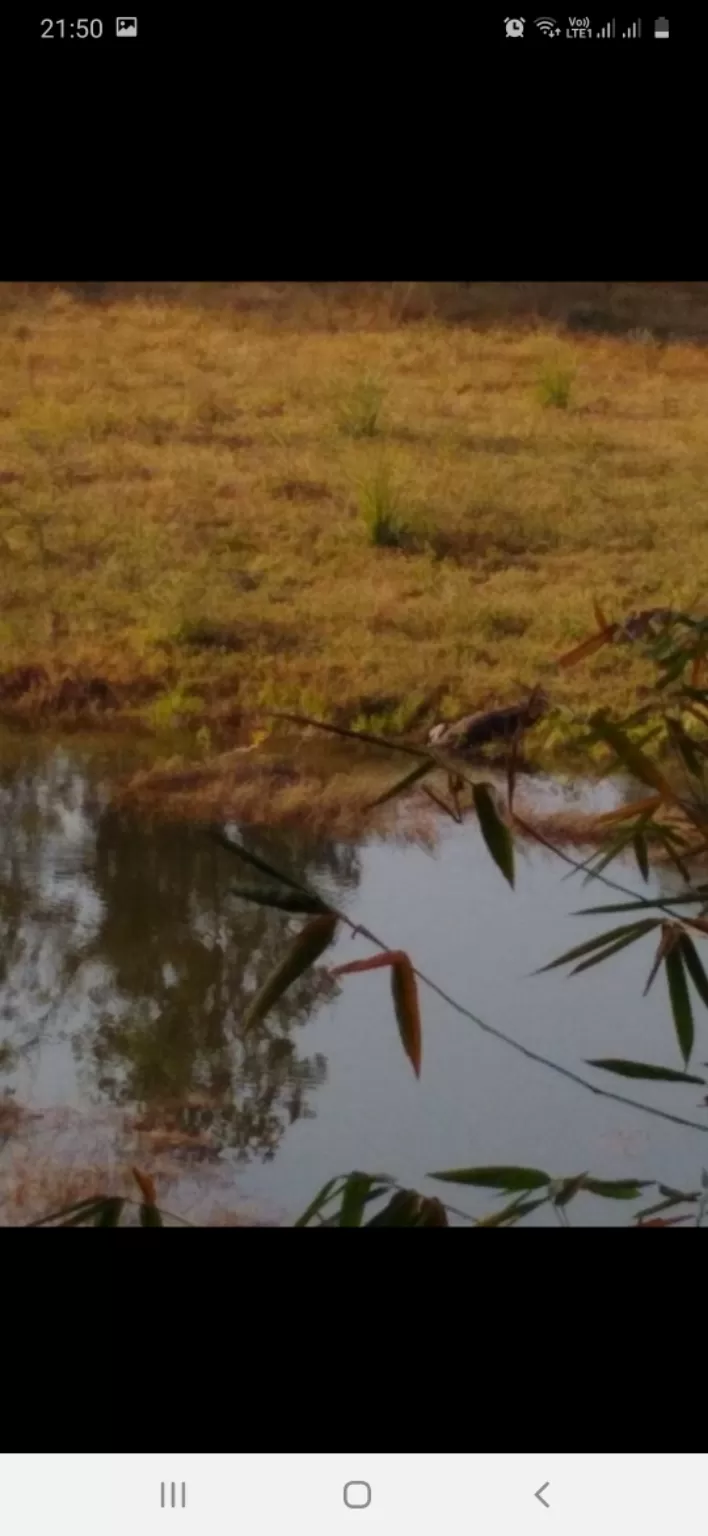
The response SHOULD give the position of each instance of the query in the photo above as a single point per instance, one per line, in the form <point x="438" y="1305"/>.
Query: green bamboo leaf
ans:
<point x="614" y="949"/>
<point x="109" y="1214"/>
<point x="306" y="948"/>
<point x="283" y="899"/>
<point x="673" y="1197"/>
<point x="698" y="894"/>
<point x="278" y="875"/>
<point x="633" y="930"/>
<point x="617" y="1189"/>
<point x="644" y="1070"/>
<point x="569" y="1188"/>
<point x="680" y="1002"/>
<point x="91" y="1203"/>
<point x="641" y="855"/>
<point x="354" y="1198"/>
<point x="609" y="854"/>
<point x="511" y="1213"/>
<point x="318" y="1203"/>
<point x="401" y="785"/>
<point x="496" y="835"/>
<point x="500" y="1177"/>
<point x="687" y="749"/>
<point x="694" y="966"/>
<point x="150" y="1216"/>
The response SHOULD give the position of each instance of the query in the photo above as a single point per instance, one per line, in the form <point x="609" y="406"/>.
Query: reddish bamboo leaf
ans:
<point x="405" y="997"/>
<point x="586" y="648"/>
<point x="626" y="812"/>
<point x="665" y="1221"/>
<point x="145" y="1185"/>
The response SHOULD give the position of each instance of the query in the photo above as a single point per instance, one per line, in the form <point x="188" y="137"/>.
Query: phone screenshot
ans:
<point x="353" y="722"/>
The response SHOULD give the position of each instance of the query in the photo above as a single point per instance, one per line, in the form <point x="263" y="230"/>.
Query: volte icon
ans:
<point x="173" y="1495"/>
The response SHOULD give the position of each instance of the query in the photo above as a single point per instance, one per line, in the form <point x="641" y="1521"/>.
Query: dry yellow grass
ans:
<point x="181" y="528"/>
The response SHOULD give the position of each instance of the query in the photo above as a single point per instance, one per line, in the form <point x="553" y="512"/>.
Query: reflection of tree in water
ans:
<point x="129" y="938"/>
<point x="43" y="807"/>
<point x="185" y="956"/>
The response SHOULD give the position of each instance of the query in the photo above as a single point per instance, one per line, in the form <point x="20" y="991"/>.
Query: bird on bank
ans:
<point x="474" y="731"/>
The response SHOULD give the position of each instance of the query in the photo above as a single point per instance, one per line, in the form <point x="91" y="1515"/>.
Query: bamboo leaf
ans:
<point x="88" y="1204"/>
<point x="371" y="963"/>
<point x="407" y="1208"/>
<point x="641" y="855"/>
<point x="252" y="858"/>
<point x="511" y="1213"/>
<point x="316" y="1205"/>
<point x="635" y="808"/>
<point x="306" y="948"/>
<point x="437" y="800"/>
<point x="617" y="1189"/>
<point x="283" y="899"/>
<point x="632" y="756"/>
<point x="109" y="1214"/>
<point x="694" y="966"/>
<point x="569" y="1188"/>
<point x="401" y="785"/>
<point x="630" y="930"/>
<point x="502" y="1177"/>
<point x="665" y="1221"/>
<point x="356" y="1189"/>
<point x="685" y="747"/>
<point x="680" y="1001"/>
<point x="495" y="833"/>
<point x="405" y="1002"/>
<point x="674" y="1197"/>
<point x="698" y="894"/>
<point x="669" y="937"/>
<point x="586" y="648"/>
<point x="405" y="997"/>
<point x="642" y="1069"/>
<point x="150" y="1215"/>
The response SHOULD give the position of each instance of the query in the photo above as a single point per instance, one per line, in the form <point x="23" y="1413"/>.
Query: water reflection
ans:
<point x="127" y="960"/>
<point x="128" y="941"/>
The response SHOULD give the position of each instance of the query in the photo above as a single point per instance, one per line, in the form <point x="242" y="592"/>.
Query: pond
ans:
<point x="126" y="962"/>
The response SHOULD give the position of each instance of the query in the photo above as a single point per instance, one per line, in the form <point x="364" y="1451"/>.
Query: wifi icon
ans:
<point x="547" y="25"/>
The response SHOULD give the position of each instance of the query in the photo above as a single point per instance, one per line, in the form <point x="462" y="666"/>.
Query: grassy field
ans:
<point x="340" y="499"/>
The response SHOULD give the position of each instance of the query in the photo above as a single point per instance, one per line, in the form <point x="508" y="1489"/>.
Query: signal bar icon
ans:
<point x="169" y="1494"/>
<point x="635" y="30"/>
<point x="607" y="31"/>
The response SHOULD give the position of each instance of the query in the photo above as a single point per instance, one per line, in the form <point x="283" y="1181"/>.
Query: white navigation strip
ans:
<point x="357" y="1494"/>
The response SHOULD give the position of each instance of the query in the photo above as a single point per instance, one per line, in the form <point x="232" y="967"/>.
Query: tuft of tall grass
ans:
<point x="555" y="385"/>
<point x="359" y="413"/>
<point x="380" y="507"/>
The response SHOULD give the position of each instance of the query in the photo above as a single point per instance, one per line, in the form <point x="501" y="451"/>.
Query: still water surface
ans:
<point x="126" y="962"/>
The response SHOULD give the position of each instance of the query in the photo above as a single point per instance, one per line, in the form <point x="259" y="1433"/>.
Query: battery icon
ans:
<point x="661" y="27"/>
